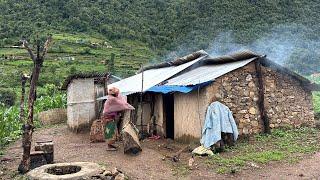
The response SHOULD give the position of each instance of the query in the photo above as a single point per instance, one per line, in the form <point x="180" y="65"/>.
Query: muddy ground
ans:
<point x="151" y="162"/>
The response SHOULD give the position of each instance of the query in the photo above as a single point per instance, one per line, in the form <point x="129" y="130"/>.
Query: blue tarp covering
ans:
<point x="184" y="89"/>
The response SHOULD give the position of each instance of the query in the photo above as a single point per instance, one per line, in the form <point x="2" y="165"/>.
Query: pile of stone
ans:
<point x="115" y="174"/>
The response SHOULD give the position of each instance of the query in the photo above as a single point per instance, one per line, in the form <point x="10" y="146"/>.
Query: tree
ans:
<point x="27" y="128"/>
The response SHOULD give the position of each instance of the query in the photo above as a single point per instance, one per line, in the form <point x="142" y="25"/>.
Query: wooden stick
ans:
<point x="266" y="123"/>
<point x="46" y="46"/>
<point x="25" y="45"/>
<point x="176" y="157"/>
<point x="141" y="103"/>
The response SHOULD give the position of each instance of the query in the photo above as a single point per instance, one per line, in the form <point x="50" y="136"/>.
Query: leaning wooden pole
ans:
<point x="28" y="126"/>
<point x="263" y="115"/>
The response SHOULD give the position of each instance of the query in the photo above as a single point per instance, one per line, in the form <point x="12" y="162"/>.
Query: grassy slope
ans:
<point x="72" y="53"/>
<point x="316" y="96"/>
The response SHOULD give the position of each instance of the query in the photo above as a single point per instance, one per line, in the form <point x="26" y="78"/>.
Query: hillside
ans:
<point x="72" y="53"/>
<point x="142" y="31"/>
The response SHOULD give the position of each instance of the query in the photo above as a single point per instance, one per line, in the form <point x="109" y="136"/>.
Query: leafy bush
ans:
<point x="45" y="103"/>
<point x="7" y="97"/>
<point x="72" y="70"/>
<point x="85" y="51"/>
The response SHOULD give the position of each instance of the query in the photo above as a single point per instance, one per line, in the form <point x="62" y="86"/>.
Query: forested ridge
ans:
<point x="163" y="25"/>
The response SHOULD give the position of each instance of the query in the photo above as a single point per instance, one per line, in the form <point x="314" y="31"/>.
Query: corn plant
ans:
<point x="10" y="124"/>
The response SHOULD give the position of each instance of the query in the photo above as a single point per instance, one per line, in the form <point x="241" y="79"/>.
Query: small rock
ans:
<point x="115" y="172"/>
<point x="251" y="84"/>
<point x="245" y="130"/>
<point x="254" y="165"/>
<point x="191" y="161"/>
<point x="243" y="111"/>
<point x="120" y="176"/>
<point x="249" y="77"/>
<point x="242" y="121"/>
<point x="255" y="123"/>
<point x="107" y="173"/>
<point x="252" y="111"/>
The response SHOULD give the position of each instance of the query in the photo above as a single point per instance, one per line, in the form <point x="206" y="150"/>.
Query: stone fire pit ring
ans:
<point x="65" y="171"/>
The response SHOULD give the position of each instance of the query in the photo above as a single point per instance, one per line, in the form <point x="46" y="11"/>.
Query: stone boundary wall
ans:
<point x="53" y="116"/>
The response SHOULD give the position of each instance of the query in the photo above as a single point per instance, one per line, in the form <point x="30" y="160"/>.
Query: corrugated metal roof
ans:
<point x="206" y="73"/>
<point x="151" y="78"/>
<point x="68" y="80"/>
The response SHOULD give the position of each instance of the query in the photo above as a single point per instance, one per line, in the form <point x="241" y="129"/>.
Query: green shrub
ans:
<point x="85" y="51"/>
<point x="7" y="97"/>
<point x="317" y="116"/>
<point x="72" y="70"/>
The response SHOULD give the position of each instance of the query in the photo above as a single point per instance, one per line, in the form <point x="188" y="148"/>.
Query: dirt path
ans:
<point x="70" y="147"/>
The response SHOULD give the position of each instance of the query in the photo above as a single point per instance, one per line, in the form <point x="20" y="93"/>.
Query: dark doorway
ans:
<point x="168" y="108"/>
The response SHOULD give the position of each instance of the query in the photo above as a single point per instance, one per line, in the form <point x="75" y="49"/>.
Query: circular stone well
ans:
<point x="65" y="171"/>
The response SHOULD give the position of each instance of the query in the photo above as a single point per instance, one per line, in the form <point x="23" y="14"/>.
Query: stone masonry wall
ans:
<point x="238" y="91"/>
<point x="287" y="103"/>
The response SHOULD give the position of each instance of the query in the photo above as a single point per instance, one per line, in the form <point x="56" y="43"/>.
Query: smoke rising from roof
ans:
<point x="291" y="45"/>
<point x="281" y="45"/>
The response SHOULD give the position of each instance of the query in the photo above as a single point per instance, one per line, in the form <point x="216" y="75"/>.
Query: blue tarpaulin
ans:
<point x="170" y="88"/>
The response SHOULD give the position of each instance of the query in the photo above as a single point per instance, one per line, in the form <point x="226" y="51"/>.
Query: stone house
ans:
<point x="175" y="95"/>
<point x="82" y="92"/>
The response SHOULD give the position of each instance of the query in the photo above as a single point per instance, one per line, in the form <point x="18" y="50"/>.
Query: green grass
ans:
<point x="11" y="51"/>
<point x="281" y="145"/>
<point x="87" y="53"/>
<point x="316" y="97"/>
<point x="181" y="170"/>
